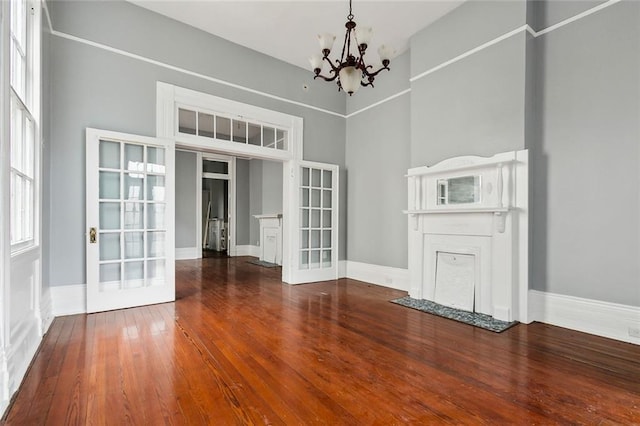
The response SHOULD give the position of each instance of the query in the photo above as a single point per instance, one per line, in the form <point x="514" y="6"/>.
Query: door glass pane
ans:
<point x="134" y="158"/>
<point x="315" y="258"/>
<point x="133" y="245"/>
<point x="315" y="239"/>
<point x="110" y="272"/>
<point x="315" y="178"/>
<point x="326" y="258"/>
<point x="155" y="272"/>
<point x="109" y="246"/>
<point x="110" y="215"/>
<point x="133" y="215"/>
<point x="155" y="188"/>
<point x="155" y="216"/>
<point x="240" y="131"/>
<point x="155" y="244"/>
<point x="186" y="121"/>
<point x="223" y="128"/>
<point x="155" y="160"/>
<point x="269" y="137"/>
<point x="109" y="155"/>
<point x="326" y="218"/>
<point x="305" y="176"/>
<point x="255" y="134"/>
<point x="133" y="186"/>
<point x="326" y="178"/>
<point x="109" y="185"/>
<point x="326" y="199"/>
<point x="305" y="197"/>
<point x="304" y="260"/>
<point x="304" y="239"/>
<point x="326" y="239"/>
<point x="304" y="218"/>
<point x="205" y="125"/>
<point x="315" y="218"/>
<point x="315" y="198"/>
<point x="133" y="274"/>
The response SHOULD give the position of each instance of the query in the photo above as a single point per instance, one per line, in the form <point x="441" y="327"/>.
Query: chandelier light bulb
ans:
<point x="386" y="53"/>
<point x="316" y="62"/>
<point x="364" y="35"/>
<point x="326" y="41"/>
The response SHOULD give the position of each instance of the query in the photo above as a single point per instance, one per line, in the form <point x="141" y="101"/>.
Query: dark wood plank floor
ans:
<point x="238" y="347"/>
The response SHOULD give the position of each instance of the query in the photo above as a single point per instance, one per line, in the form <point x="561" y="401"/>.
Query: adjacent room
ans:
<point x="320" y="212"/>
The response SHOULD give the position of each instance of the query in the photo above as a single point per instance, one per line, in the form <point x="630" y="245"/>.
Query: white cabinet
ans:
<point x="270" y="237"/>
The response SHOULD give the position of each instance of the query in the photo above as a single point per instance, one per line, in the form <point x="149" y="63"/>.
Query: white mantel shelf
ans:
<point x="460" y="210"/>
<point x="268" y="216"/>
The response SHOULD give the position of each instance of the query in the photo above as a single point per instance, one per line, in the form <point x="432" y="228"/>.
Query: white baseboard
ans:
<point x="25" y="339"/>
<point x="342" y="269"/>
<point x="248" y="251"/>
<point x="186" y="253"/>
<point x="46" y="311"/>
<point x="69" y="299"/>
<point x="385" y="276"/>
<point x="604" y="319"/>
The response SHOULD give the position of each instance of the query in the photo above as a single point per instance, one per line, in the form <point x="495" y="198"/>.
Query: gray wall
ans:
<point x="186" y="218"/>
<point x="475" y="106"/>
<point x="255" y="200"/>
<point x="377" y="153"/>
<point x="97" y="88"/>
<point x="243" y="236"/>
<point x="271" y="187"/>
<point x="586" y="181"/>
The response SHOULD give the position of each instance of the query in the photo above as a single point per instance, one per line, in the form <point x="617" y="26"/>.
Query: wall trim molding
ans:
<point x="69" y="299"/>
<point x="188" y="253"/>
<point x="525" y="27"/>
<point x="605" y="319"/>
<point x="248" y="250"/>
<point x="471" y="52"/>
<point x="191" y="73"/>
<point x="380" y="102"/>
<point x="385" y="276"/>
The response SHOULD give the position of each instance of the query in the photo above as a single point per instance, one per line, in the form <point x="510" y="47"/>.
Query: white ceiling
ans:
<point x="287" y="29"/>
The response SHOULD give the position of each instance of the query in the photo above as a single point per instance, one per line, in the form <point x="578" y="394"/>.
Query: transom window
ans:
<point x="232" y="129"/>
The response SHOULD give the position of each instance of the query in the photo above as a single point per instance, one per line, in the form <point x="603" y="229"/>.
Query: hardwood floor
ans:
<point x="239" y="347"/>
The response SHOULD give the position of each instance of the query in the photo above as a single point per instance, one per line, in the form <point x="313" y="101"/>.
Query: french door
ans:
<point x="314" y="253"/>
<point x="130" y="220"/>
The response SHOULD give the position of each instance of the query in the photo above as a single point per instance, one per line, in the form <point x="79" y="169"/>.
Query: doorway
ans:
<point x="216" y="217"/>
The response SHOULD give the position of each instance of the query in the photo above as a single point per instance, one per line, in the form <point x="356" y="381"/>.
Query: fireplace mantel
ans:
<point x="475" y="206"/>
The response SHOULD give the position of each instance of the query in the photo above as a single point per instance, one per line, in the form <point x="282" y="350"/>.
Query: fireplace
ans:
<point x="468" y="234"/>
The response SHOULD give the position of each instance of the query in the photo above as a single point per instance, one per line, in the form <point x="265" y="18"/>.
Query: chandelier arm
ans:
<point x="335" y="75"/>
<point x="334" y="69"/>
<point x="373" y="74"/>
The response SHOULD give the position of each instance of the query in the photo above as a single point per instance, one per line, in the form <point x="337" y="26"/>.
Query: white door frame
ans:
<point x="231" y="178"/>
<point x="170" y="97"/>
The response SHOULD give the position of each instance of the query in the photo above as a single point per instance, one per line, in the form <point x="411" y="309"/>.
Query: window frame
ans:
<point x="24" y="124"/>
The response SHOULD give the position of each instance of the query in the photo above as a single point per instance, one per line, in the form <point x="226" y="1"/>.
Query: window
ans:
<point x="24" y="77"/>
<point x="216" y="126"/>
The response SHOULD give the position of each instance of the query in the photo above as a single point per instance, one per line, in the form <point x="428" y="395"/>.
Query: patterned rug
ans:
<point x="472" y="318"/>
<point x="263" y="263"/>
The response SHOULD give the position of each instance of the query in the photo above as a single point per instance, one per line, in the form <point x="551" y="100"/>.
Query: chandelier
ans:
<point x="350" y="70"/>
